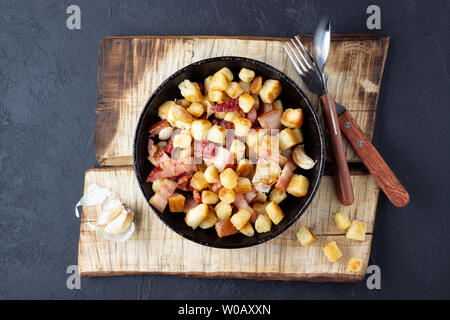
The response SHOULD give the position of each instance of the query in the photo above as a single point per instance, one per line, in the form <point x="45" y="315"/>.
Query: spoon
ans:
<point x="321" y="43"/>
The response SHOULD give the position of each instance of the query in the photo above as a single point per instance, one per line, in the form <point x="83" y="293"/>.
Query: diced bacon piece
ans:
<point x="204" y="149"/>
<point x="252" y="115"/>
<point x="155" y="154"/>
<point x="285" y="176"/>
<point x="225" y="228"/>
<point x="281" y="160"/>
<point x="222" y="159"/>
<point x="151" y="147"/>
<point x="186" y="187"/>
<point x="183" y="182"/>
<point x="197" y="196"/>
<point x="176" y="168"/>
<point x="158" y="157"/>
<point x="168" y="187"/>
<point x="189" y="203"/>
<point x="241" y="203"/>
<point x="223" y="123"/>
<point x="229" y="137"/>
<point x="169" y="147"/>
<point x="158" y="201"/>
<point x="227" y="124"/>
<point x="227" y="106"/>
<point x="250" y="196"/>
<point x="216" y="186"/>
<point x="287" y="153"/>
<point x="155" y="174"/>
<point x="266" y="107"/>
<point x="156" y="128"/>
<point x="271" y="119"/>
<point x="171" y="168"/>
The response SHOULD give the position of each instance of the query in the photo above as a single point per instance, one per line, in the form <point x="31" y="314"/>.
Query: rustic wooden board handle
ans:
<point x="342" y="174"/>
<point x="376" y="165"/>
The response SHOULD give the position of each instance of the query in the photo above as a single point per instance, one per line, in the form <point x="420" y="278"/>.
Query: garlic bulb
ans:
<point x="301" y="159"/>
<point x="115" y="221"/>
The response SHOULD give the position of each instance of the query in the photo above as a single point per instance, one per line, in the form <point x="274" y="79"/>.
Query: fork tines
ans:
<point x="304" y="64"/>
<point x="300" y="57"/>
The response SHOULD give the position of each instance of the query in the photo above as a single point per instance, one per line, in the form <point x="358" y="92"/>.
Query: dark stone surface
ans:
<point x="48" y="85"/>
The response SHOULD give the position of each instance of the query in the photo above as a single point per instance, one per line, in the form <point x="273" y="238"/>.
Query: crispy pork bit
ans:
<point x="155" y="154"/>
<point x="271" y="119"/>
<point x="223" y="159"/>
<point x="241" y="203"/>
<point x="226" y="124"/>
<point x="156" y="128"/>
<point x="171" y="168"/>
<point x="228" y="106"/>
<point x="183" y="182"/>
<point x="169" y="147"/>
<point x="285" y="176"/>
<point x="204" y="150"/>
<point x="250" y="196"/>
<point x="159" y="199"/>
<point x="189" y="203"/>
<point x="216" y="186"/>
<point x="266" y="107"/>
<point x="225" y="228"/>
<point x="252" y="115"/>
<point x="197" y="196"/>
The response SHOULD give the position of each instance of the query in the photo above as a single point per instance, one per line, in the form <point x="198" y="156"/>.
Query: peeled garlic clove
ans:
<point x="301" y="159"/>
<point x="119" y="224"/>
<point x="123" y="237"/>
<point x="165" y="133"/>
<point x="111" y="211"/>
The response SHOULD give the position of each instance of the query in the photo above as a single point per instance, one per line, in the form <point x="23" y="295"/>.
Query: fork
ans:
<point x="316" y="82"/>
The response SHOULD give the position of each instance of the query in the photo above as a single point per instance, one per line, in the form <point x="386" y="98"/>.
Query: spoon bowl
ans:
<point x="321" y="43"/>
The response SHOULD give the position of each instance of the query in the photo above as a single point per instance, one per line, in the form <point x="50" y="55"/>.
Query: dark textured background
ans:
<point x="48" y="85"/>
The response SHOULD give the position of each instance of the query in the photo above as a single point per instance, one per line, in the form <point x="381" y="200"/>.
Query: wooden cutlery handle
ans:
<point x="376" y="165"/>
<point x="342" y="174"/>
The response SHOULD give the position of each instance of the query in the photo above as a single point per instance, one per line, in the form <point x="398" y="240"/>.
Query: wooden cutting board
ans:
<point x="130" y="68"/>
